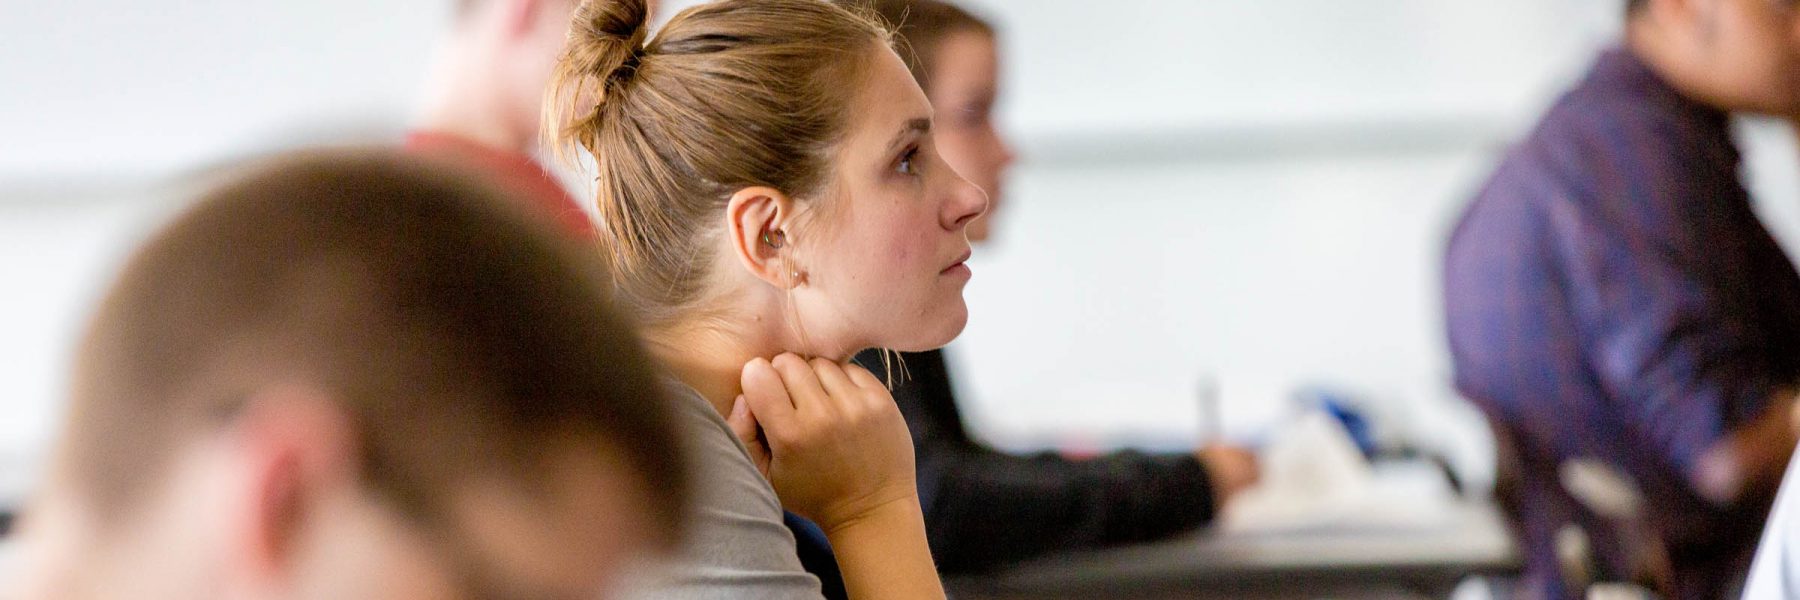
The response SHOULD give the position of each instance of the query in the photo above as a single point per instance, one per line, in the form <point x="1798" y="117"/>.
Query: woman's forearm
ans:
<point x="883" y="555"/>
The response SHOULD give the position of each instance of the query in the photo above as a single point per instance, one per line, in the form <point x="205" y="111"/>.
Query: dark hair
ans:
<point x="1632" y="6"/>
<point x="461" y="336"/>
<point x="920" y="25"/>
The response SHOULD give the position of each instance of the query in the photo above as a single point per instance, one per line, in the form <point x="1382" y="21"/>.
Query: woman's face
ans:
<point x="883" y="256"/>
<point x="964" y="83"/>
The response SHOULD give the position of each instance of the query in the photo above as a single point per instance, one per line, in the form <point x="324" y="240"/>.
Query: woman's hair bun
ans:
<point x="606" y="39"/>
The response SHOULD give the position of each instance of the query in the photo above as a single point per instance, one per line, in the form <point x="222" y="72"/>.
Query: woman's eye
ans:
<point x="906" y="162"/>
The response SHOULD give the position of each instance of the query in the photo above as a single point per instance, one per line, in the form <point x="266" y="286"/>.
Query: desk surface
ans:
<point x="1423" y="562"/>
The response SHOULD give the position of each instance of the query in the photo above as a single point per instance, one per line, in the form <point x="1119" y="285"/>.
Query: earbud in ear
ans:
<point x="774" y="239"/>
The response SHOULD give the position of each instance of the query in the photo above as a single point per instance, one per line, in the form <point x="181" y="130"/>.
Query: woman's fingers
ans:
<point x="863" y="378"/>
<point x="803" y="386"/>
<point x="744" y="426"/>
<point x="839" y="447"/>
<point x="836" y="382"/>
<point x="766" y="393"/>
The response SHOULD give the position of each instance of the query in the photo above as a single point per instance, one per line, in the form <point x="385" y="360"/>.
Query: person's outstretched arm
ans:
<point x="986" y="508"/>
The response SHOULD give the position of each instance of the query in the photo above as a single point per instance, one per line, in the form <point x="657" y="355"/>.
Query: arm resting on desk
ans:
<point x="985" y="508"/>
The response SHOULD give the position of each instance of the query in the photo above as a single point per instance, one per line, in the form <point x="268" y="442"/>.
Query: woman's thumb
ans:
<point x="742" y="422"/>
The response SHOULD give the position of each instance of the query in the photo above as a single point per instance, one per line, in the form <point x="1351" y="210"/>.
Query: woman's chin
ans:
<point x="936" y="335"/>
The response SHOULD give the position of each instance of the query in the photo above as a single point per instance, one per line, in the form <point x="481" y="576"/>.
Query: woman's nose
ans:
<point x="967" y="203"/>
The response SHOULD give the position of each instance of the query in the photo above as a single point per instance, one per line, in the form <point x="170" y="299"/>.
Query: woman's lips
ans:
<point x="959" y="265"/>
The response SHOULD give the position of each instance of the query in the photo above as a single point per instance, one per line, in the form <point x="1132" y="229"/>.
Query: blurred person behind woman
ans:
<point x="485" y="95"/>
<point x="986" y="508"/>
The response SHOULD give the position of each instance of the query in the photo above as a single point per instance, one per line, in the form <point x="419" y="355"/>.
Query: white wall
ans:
<point x="127" y="90"/>
<point x="1148" y="65"/>
<point x="1255" y="192"/>
<point x="105" y="99"/>
<point x="57" y="248"/>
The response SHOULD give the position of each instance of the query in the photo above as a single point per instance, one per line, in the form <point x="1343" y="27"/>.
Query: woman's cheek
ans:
<point x="906" y="236"/>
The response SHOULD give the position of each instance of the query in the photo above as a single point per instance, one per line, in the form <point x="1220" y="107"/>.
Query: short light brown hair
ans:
<point x="460" y="337"/>
<point x="728" y="95"/>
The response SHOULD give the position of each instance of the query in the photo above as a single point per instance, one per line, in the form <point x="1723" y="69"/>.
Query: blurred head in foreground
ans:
<point x="355" y="376"/>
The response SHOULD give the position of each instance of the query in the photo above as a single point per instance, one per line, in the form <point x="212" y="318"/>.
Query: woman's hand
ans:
<point x="750" y="433"/>
<point x="1230" y="469"/>
<point x="831" y="441"/>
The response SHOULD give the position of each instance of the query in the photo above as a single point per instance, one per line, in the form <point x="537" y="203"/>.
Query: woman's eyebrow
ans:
<point x="920" y="125"/>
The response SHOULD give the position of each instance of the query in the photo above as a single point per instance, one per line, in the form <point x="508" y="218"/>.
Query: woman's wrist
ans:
<point x="883" y="554"/>
<point x="881" y="517"/>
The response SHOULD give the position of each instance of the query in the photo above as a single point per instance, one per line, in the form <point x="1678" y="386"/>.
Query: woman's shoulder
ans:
<point x="737" y="544"/>
<point x="718" y="458"/>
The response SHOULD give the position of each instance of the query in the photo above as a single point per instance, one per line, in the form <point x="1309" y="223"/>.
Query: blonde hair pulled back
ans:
<point x="728" y="95"/>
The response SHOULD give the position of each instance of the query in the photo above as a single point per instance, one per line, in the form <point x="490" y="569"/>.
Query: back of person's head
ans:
<point x="742" y="106"/>
<point x="1736" y="55"/>
<point x="354" y="374"/>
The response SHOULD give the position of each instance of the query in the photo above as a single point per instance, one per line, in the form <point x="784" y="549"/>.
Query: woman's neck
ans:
<point x="708" y="359"/>
<point x="710" y="356"/>
<point x="708" y="349"/>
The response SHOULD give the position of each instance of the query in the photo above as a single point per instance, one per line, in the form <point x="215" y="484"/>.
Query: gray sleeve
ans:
<point x="737" y="545"/>
<point x="1775" y="574"/>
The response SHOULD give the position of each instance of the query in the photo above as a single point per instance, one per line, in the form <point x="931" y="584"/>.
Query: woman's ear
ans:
<point x="757" y="222"/>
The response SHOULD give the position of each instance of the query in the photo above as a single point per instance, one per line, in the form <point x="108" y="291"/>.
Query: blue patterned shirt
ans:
<point x="1610" y="295"/>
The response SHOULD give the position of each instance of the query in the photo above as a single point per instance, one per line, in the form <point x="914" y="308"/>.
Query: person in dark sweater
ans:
<point x="984" y="508"/>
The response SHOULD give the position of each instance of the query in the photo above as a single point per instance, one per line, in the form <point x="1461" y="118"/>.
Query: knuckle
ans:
<point x="874" y="399"/>
<point x="759" y="367"/>
<point x="785" y="437"/>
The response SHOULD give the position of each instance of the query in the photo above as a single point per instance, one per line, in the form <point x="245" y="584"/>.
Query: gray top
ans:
<point x="737" y="545"/>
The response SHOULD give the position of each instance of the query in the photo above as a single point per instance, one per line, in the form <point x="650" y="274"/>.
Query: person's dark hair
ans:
<point x="920" y="25"/>
<point x="1632" y="6"/>
<point x="461" y="337"/>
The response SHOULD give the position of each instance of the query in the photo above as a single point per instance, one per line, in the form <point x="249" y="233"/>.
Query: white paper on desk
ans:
<point x="1314" y="478"/>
